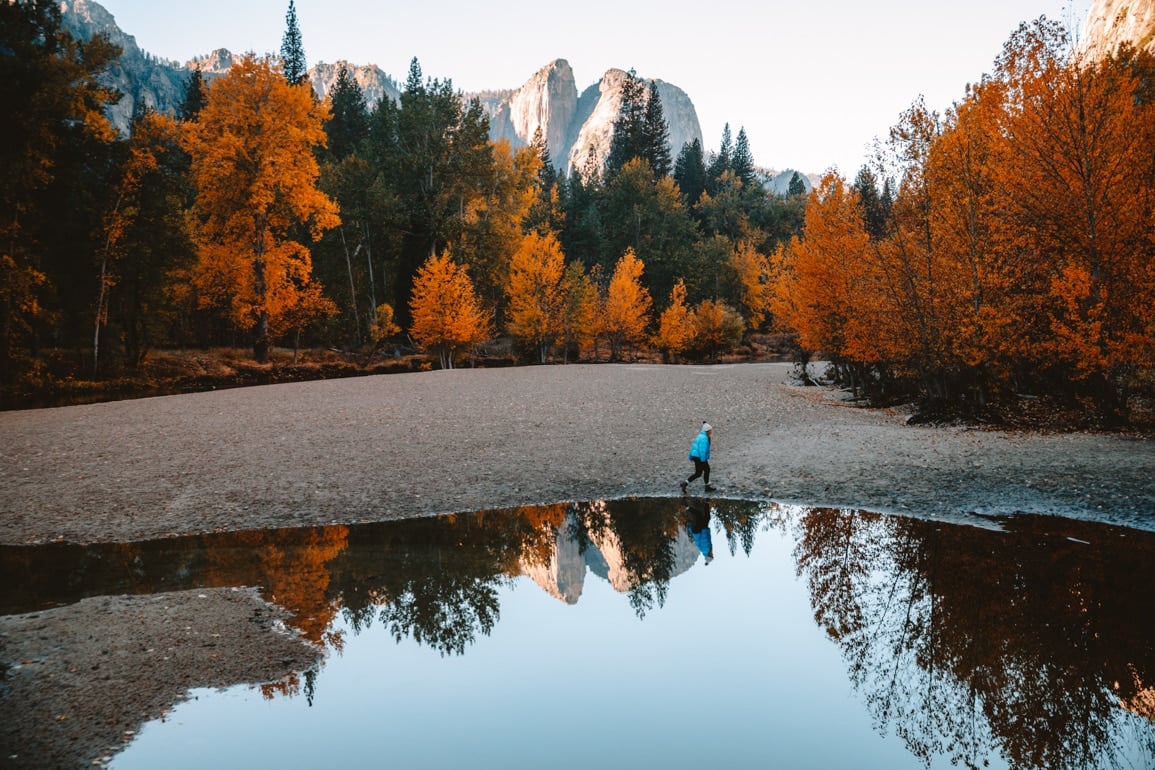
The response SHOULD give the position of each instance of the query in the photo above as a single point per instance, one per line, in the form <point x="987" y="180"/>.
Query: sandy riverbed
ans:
<point x="405" y="445"/>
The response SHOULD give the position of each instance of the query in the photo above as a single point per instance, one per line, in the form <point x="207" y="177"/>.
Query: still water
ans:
<point x="662" y="633"/>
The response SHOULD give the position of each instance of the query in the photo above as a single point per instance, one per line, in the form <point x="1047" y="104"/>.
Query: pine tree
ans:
<point x="721" y="162"/>
<point x="293" y="50"/>
<point x="742" y="161"/>
<point x="875" y="207"/>
<point x="546" y="215"/>
<point x="349" y="124"/>
<point x="690" y="172"/>
<point x="797" y="186"/>
<point x="656" y="135"/>
<point x="628" y="140"/>
<point x="194" y="96"/>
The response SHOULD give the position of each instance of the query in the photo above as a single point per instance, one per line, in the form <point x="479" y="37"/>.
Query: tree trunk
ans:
<point x="260" y="289"/>
<point x="352" y="287"/>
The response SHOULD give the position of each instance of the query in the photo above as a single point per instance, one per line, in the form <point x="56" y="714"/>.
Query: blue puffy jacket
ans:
<point x="701" y="448"/>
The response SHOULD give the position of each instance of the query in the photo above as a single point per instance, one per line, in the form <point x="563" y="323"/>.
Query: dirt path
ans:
<point x="404" y="445"/>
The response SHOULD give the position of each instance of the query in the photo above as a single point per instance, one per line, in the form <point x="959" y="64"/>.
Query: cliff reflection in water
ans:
<point x="1033" y="642"/>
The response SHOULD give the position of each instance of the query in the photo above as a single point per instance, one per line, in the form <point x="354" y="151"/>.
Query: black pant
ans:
<point x="701" y="468"/>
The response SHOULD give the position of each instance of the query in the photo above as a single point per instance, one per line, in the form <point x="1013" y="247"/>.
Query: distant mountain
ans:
<point x="572" y="124"/>
<point x="143" y="79"/>
<point x="1113" y="22"/>
<point x="778" y="182"/>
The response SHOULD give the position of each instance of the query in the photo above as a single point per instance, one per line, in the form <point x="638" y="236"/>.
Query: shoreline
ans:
<point x="417" y="444"/>
<point x="76" y="682"/>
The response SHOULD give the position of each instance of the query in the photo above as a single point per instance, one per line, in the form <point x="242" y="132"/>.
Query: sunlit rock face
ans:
<point x="598" y="108"/>
<point x="548" y="99"/>
<point x="606" y="559"/>
<point x="372" y="81"/>
<point x="142" y="79"/>
<point x="1111" y="23"/>
<point x="574" y="126"/>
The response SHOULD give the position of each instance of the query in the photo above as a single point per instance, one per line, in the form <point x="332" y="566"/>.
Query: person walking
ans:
<point x="700" y="455"/>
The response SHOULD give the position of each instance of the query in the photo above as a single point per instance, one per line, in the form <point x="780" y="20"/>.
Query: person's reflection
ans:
<point x="698" y="525"/>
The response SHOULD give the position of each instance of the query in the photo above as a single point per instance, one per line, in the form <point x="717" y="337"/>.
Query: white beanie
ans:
<point x="707" y="426"/>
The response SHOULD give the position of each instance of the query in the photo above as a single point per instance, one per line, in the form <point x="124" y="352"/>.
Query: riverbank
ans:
<point x="77" y="681"/>
<point x="385" y="447"/>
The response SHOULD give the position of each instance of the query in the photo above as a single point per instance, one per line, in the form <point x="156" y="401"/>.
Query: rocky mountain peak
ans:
<point x="573" y="124"/>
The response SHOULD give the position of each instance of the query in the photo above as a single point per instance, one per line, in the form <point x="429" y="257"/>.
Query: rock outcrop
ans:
<point x="142" y="79"/>
<point x="573" y="125"/>
<point x="374" y="83"/>
<point x="547" y="100"/>
<point x="1110" y="23"/>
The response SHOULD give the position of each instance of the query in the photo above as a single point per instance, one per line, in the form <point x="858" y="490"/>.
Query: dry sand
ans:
<point x="403" y="445"/>
<point x="75" y="681"/>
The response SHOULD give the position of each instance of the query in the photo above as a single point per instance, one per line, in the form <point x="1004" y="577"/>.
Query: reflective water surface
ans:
<point x="661" y="633"/>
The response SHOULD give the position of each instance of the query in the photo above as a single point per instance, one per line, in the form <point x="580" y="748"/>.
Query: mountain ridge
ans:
<point x="572" y="121"/>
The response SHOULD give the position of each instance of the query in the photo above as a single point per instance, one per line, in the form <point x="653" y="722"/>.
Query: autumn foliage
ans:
<point x="1017" y="253"/>
<point x="448" y="318"/>
<point x="255" y="176"/>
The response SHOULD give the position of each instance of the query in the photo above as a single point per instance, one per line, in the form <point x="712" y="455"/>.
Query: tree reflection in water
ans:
<point x="1033" y="641"/>
<point x="972" y="642"/>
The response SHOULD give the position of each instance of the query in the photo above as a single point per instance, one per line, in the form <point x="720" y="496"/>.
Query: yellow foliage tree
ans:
<point x="493" y="217"/>
<point x="753" y="270"/>
<point x="628" y="303"/>
<point x="447" y="316"/>
<point x="675" y="324"/>
<point x="536" y="292"/>
<point x="580" y="320"/>
<point x="717" y="327"/>
<point x="255" y="176"/>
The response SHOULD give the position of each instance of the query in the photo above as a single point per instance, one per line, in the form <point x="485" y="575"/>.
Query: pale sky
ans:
<point x="812" y="83"/>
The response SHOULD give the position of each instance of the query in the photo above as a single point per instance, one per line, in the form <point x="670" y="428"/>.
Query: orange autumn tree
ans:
<point x="447" y="315"/>
<point x="753" y="271"/>
<point x="675" y="324"/>
<point x="1081" y="183"/>
<point x="820" y="279"/>
<point x="495" y="207"/>
<point x="986" y="301"/>
<point x="717" y="327"/>
<point x="628" y="302"/>
<point x="536" y="298"/>
<point x="255" y="174"/>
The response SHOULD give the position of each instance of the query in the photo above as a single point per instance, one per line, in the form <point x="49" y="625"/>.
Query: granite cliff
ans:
<point x="1111" y="23"/>
<point x="570" y="123"/>
<point x="574" y="124"/>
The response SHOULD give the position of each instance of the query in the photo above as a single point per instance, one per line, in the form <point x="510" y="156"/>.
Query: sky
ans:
<point x="813" y="84"/>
